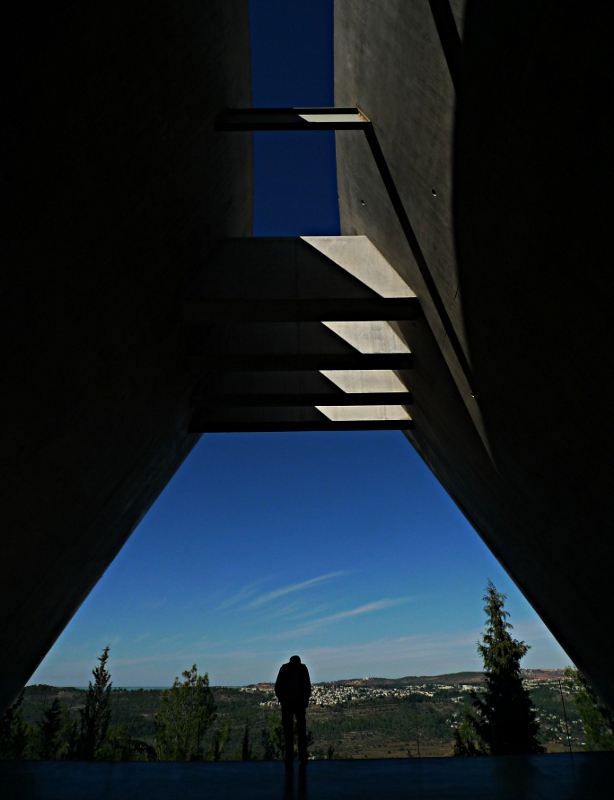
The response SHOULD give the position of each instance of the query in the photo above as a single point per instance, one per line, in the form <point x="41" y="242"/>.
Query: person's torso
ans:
<point x="294" y="682"/>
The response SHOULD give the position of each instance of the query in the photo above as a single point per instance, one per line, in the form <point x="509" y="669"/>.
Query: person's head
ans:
<point x="295" y="660"/>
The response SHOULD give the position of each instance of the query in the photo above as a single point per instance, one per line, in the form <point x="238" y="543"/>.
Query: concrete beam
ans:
<point x="282" y="281"/>
<point x="350" y="309"/>
<point x="302" y="382"/>
<point x="275" y="362"/>
<point x="280" y="427"/>
<point x="304" y="399"/>
<point x="297" y="268"/>
<point x="291" y="119"/>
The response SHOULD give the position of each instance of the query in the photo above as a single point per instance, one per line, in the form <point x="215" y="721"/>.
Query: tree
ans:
<point x="121" y="746"/>
<point x="246" y="749"/>
<point x="17" y="737"/>
<point x="50" y="731"/>
<point x="596" y="719"/>
<point x="58" y="735"/>
<point x="273" y="739"/>
<point x="467" y="741"/>
<point x="220" y="738"/>
<point x="504" y="719"/>
<point x="96" y="715"/>
<point x="185" y="713"/>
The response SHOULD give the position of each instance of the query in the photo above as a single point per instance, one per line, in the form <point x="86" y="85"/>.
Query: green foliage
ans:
<point x="368" y="726"/>
<point x="58" y="735"/>
<point x="467" y="742"/>
<point x="135" y="709"/>
<point x="309" y="743"/>
<point x="220" y="738"/>
<point x="17" y="738"/>
<point x="69" y="738"/>
<point x="97" y="740"/>
<point x="121" y="746"/>
<point x="186" y="711"/>
<point x="597" y="720"/>
<point x="51" y="728"/>
<point x="246" y="749"/>
<point x="96" y="715"/>
<point x="399" y="720"/>
<point x="504" y="720"/>
<point x="273" y="739"/>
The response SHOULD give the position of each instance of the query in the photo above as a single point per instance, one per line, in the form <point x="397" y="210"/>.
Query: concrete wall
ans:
<point x="119" y="190"/>
<point x="521" y="266"/>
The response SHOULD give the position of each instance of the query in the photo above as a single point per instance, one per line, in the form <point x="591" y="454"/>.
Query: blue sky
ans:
<point x="341" y="547"/>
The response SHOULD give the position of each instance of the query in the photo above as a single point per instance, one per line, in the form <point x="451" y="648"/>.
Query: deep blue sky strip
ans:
<point x="292" y="65"/>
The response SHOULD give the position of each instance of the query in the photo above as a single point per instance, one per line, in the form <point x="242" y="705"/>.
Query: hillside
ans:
<point x="448" y="679"/>
<point x="355" y="718"/>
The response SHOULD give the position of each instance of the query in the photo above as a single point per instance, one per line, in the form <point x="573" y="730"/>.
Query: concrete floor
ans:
<point x="585" y="776"/>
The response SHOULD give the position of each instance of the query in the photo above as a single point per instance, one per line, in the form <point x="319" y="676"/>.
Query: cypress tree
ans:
<point x="96" y="715"/>
<point x="504" y="719"/>
<point x="246" y="750"/>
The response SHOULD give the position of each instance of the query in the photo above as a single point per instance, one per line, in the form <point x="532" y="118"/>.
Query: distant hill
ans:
<point x="543" y="674"/>
<point x="450" y="678"/>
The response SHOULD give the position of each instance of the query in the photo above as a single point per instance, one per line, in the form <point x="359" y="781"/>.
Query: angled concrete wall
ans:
<point x="516" y="237"/>
<point x="119" y="189"/>
<point x="533" y="196"/>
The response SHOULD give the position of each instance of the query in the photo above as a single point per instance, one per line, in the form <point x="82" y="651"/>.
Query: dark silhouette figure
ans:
<point x="293" y="690"/>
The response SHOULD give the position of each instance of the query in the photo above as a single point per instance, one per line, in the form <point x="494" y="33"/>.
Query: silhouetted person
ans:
<point x="293" y="690"/>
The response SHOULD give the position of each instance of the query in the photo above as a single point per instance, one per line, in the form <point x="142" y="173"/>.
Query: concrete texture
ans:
<point x="389" y="63"/>
<point x="269" y="305"/>
<point x="552" y="777"/>
<point x="534" y="191"/>
<point x="520" y="265"/>
<point x="119" y="188"/>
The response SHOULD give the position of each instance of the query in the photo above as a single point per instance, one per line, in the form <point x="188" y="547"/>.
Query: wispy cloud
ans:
<point x="368" y="608"/>
<point x="240" y="596"/>
<point x="295" y="587"/>
<point x="420" y="654"/>
<point x="281" y="610"/>
<point x="310" y="613"/>
<point x="392" y="656"/>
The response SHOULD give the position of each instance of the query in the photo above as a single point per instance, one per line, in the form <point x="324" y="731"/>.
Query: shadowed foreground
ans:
<point x="585" y="775"/>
